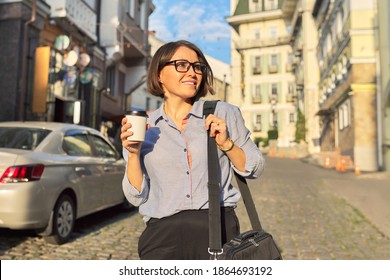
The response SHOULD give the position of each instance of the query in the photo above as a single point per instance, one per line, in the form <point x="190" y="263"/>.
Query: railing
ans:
<point x="253" y="43"/>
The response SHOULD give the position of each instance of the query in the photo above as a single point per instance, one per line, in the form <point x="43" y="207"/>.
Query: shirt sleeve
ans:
<point x="240" y="135"/>
<point x="135" y="197"/>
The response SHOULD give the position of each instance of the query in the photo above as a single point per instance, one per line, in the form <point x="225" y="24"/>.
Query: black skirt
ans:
<point x="184" y="236"/>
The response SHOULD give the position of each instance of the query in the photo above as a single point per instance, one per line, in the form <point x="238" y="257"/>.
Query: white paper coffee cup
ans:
<point x="138" y="124"/>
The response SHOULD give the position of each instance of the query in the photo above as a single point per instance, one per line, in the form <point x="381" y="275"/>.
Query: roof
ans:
<point x="43" y="125"/>
<point x="242" y="8"/>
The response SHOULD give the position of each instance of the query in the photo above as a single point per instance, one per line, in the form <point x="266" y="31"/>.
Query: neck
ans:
<point x="177" y="109"/>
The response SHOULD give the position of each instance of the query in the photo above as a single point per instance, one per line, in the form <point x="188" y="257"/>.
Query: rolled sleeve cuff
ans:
<point x="135" y="197"/>
<point x="254" y="165"/>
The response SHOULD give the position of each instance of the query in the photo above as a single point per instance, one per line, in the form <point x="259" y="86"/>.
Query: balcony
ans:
<point x="71" y="13"/>
<point x="273" y="68"/>
<point x="122" y="36"/>
<point x="273" y="98"/>
<point x="289" y="98"/>
<point x="257" y="127"/>
<point x="245" y="44"/>
<point x="256" y="99"/>
<point x="256" y="70"/>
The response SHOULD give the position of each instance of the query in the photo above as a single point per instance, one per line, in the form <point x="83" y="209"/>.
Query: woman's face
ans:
<point x="183" y="85"/>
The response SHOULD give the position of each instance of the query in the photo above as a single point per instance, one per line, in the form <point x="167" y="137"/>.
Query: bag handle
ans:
<point x="215" y="243"/>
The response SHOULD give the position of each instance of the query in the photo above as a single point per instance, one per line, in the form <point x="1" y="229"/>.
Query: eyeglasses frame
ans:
<point x="191" y="64"/>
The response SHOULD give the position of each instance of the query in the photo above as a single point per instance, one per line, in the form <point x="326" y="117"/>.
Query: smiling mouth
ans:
<point x="190" y="83"/>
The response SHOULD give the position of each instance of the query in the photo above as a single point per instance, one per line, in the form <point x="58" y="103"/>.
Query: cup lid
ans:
<point x="139" y="113"/>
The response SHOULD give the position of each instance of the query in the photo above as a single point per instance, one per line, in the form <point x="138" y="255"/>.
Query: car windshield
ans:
<point x="24" y="138"/>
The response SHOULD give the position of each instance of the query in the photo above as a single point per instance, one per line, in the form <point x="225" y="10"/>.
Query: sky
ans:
<point x="200" y="21"/>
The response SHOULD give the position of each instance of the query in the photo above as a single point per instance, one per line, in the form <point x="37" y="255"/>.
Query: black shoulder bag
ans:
<point x="255" y="244"/>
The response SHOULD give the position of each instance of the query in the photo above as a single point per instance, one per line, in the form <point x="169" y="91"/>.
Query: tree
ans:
<point x="300" y="129"/>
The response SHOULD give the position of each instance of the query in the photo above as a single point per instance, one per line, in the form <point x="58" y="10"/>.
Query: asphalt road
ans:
<point x="296" y="201"/>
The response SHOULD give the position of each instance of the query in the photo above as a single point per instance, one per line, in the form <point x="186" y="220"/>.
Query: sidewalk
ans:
<point x="367" y="192"/>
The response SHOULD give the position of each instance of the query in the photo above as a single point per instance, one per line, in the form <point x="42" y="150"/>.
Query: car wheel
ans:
<point x="63" y="220"/>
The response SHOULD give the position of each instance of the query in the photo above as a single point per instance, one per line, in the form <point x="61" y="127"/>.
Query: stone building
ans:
<point x="263" y="84"/>
<point x="348" y="61"/>
<point x="384" y="85"/>
<point x="304" y="40"/>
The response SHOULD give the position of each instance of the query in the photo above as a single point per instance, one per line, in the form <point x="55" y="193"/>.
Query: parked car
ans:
<point x="54" y="173"/>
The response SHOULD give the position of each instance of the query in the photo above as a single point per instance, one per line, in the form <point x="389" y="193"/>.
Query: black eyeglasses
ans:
<point x="182" y="66"/>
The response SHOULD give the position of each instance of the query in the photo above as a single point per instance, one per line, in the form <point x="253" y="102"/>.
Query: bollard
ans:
<point x="357" y="170"/>
<point x="343" y="166"/>
<point x="327" y="162"/>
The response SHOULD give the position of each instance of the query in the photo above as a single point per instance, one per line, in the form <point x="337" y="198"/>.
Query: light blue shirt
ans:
<point x="170" y="183"/>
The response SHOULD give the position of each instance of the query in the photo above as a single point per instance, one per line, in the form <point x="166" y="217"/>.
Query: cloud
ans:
<point x="199" y="21"/>
<point x="196" y="20"/>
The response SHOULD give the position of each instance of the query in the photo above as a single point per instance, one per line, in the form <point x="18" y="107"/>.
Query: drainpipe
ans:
<point x="22" y="83"/>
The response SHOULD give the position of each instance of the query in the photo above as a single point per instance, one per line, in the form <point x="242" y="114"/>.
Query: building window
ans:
<point x="255" y="6"/>
<point x="274" y="89"/>
<point x="271" y="5"/>
<point x="257" y="65"/>
<point x="274" y="59"/>
<point x="273" y="32"/>
<point x="273" y="66"/>
<point x="257" y="126"/>
<point x="257" y="34"/>
<point x="344" y="115"/>
<point x="292" y="117"/>
<point x="130" y="8"/>
<point x="257" y="94"/>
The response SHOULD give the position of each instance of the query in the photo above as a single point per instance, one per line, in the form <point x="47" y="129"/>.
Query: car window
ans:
<point x="103" y="149"/>
<point x="77" y="145"/>
<point x="24" y="138"/>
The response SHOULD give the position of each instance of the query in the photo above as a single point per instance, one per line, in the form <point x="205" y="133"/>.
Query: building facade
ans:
<point x="348" y="60"/>
<point x="75" y="61"/>
<point x="263" y="84"/>
<point x="304" y="41"/>
<point x="384" y="97"/>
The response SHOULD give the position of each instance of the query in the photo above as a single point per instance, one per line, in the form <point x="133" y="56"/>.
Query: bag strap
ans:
<point x="215" y="243"/>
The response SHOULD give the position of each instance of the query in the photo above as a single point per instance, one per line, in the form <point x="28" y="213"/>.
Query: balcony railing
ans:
<point x="253" y="43"/>
<point x="256" y="99"/>
<point x="272" y="68"/>
<point x="256" y="70"/>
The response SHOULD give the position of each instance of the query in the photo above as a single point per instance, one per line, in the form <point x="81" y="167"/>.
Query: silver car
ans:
<point x="53" y="173"/>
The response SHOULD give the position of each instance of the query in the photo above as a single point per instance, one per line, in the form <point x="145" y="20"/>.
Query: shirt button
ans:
<point x="185" y="150"/>
<point x="188" y="196"/>
<point x="188" y="172"/>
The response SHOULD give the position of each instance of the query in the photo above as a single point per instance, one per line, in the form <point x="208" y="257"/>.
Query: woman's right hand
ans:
<point x="134" y="147"/>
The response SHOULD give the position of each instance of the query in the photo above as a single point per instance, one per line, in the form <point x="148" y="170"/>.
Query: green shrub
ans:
<point x="273" y="134"/>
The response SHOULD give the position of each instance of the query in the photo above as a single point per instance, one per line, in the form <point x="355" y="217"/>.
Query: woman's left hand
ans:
<point x="218" y="129"/>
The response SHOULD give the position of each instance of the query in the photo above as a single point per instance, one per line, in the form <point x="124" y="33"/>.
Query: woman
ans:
<point x="166" y="175"/>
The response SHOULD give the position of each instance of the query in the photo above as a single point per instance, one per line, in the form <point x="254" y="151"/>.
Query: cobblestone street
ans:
<point x="296" y="204"/>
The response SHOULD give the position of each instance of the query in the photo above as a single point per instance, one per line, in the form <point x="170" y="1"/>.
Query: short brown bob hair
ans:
<point x="164" y="55"/>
